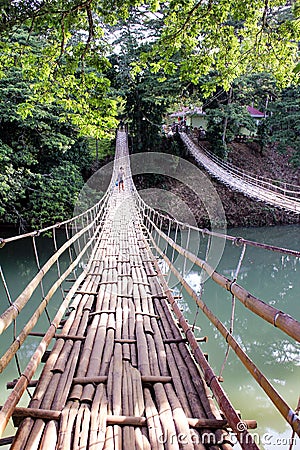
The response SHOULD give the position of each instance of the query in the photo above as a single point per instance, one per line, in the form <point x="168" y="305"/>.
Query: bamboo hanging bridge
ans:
<point x="125" y="370"/>
<point x="276" y="193"/>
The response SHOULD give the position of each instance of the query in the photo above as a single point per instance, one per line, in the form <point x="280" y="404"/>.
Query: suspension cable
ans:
<point x="277" y="400"/>
<point x="57" y="261"/>
<point x="234" y="239"/>
<point x="37" y="260"/>
<point x="201" y="286"/>
<point x="232" y="310"/>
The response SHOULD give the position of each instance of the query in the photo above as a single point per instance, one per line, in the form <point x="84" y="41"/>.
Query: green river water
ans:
<point x="273" y="277"/>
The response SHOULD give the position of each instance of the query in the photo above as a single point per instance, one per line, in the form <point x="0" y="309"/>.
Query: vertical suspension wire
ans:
<point x="175" y="240"/>
<point x="18" y="365"/>
<point x="78" y="240"/>
<point x="160" y="226"/>
<point x="152" y="220"/>
<point x="201" y="284"/>
<point x="173" y="252"/>
<point x="232" y="309"/>
<point x="70" y="250"/>
<point x="293" y="436"/>
<point x="88" y="233"/>
<point x="166" y="250"/>
<point x="155" y="222"/>
<point x="57" y="261"/>
<point x="185" y="258"/>
<point x="90" y="220"/>
<point x="82" y="228"/>
<point x="156" y="215"/>
<point x="168" y="233"/>
<point x="37" y="260"/>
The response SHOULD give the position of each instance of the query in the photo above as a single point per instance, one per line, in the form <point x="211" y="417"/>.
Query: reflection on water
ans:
<point x="274" y="278"/>
<point x="270" y="276"/>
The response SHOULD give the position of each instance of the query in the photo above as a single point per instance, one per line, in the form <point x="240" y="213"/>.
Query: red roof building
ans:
<point x="255" y="113"/>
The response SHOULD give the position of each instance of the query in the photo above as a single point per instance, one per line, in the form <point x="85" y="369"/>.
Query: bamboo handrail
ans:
<point x="210" y="377"/>
<point x="286" y="411"/>
<point x="234" y="239"/>
<point x="279" y="319"/>
<point x="13" y="311"/>
<point x="51" y="227"/>
<point x="21" y="385"/>
<point x="16" y="344"/>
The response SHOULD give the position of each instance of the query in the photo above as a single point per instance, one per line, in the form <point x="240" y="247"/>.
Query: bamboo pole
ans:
<point x="6" y="358"/>
<point x="49" y="438"/>
<point x="179" y="417"/>
<point x="127" y="406"/>
<point x="278" y="318"/>
<point x="276" y="398"/>
<point x="117" y="380"/>
<point x="29" y="371"/>
<point x="153" y="422"/>
<point x="99" y="419"/>
<point x="65" y="433"/>
<point x="142" y="349"/>
<point x="22" y="434"/>
<point x="12" y="312"/>
<point x="210" y="377"/>
<point x="35" y="436"/>
<point x="65" y="382"/>
<point x="85" y="427"/>
<point x="51" y="227"/>
<point x="113" y="419"/>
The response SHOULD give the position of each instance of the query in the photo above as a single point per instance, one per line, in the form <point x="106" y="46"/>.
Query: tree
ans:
<point x="146" y="97"/>
<point x="42" y="159"/>
<point x="229" y="39"/>
<point x="236" y="117"/>
<point x="283" y="122"/>
<point x="257" y="89"/>
<point x="222" y="38"/>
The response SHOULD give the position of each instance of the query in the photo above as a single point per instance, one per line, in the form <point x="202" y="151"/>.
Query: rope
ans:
<point x="14" y="325"/>
<point x="293" y="437"/>
<point x="232" y="310"/>
<point x="238" y="241"/>
<point x="57" y="262"/>
<point x="201" y="287"/>
<point x="185" y="259"/>
<point x="39" y="268"/>
<point x="70" y="250"/>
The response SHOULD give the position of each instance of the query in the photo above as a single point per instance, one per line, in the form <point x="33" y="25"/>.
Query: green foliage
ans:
<point x="42" y="157"/>
<point x="61" y="82"/>
<point x="54" y="195"/>
<point x="255" y="89"/>
<point x="284" y="122"/>
<point x="146" y="97"/>
<point x="227" y="39"/>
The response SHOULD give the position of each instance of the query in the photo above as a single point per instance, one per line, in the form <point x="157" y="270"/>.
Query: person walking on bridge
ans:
<point x="120" y="179"/>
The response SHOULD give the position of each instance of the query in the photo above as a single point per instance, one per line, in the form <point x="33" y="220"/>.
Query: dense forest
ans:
<point x="70" y="70"/>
